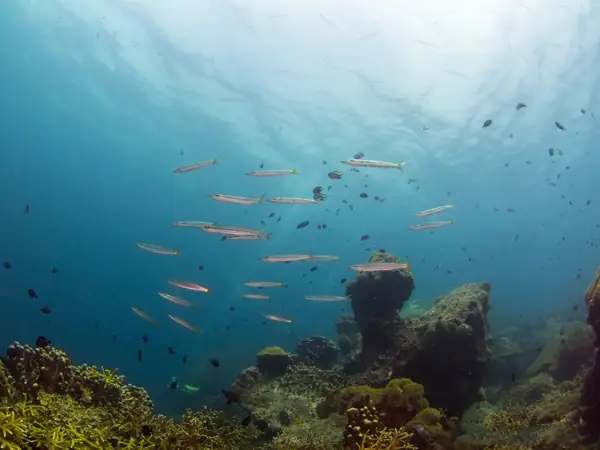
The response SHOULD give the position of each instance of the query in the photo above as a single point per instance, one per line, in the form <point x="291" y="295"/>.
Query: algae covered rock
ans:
<point x="273" y="361"/>
<point x="318" y="351"/>
<point x="376" y="298"/>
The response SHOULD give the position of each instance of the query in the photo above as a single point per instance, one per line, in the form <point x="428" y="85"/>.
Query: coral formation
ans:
<point x="273" y="361"/>
<point x="48" y="403"/>
<point x="376" y="298"/>
<point x="318" y="351"/>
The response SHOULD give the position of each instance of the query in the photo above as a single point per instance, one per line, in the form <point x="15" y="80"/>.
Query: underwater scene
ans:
<point x="285" y="225"/>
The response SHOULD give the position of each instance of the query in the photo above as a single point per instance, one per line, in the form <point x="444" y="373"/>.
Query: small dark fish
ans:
<point x="513" y="377"/>
<point x="412" y="180"/>
<point x="317" y="190"/>
<point x="324" y="162"/>
<point x="42" y="342"/>
<point x="516" y="237"/>
<point x="174" y="384"/>
<point x="487" y="123"/>
<point x="215" y="362"/>
<point x="364" y="237"/>
<point x="139" y="355"/>
<point x="6" y="265"/>
<point x="364" y="195"/>
<point x="319" y="197"/>
<point x="279" y="219"/>
<point x="32" y="293"/>
<point x="335" y="175"/>
<point x="425" y="128"/>
<point x="171" y="350"/>
<point x="560" y="126"/>
<point x="232" y="308"/>
<point x="359" y="155"/>
<point x="232" y="397"/>
<point x="246" y="421"/>
<point x="313" y="268"/>
<point x="324" y="225"/>
<point x="551" y="151"/>
<point x="26" y="209"/>
<point x="510" y="210"/>
<point x="184" y="359"/>
<point x="303" y="224"/>
<point x="382" y="250"/>
<point x="45" y="309"/>
<point x="271" y="215"/>
<point x="342" y="281"/>
<point x="145" y="338"/>
<point x="588" y="203"/>
<point x="200" y="267"/>
<point x="262" y="164"/>
<point x="114" y="338"/>
<point x="181" y="152"/>
<point x="319" y="226"/>
<point x="521" y="105"/>
<point x="54" y="270"/>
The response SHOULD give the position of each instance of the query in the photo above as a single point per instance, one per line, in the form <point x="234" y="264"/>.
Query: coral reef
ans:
<point x="48" y="403"/>
<point x="590" y="397"/>
<point x="444" y="349"/>
<point x="376" y="298"/>
<point x="349" y="338"/>
<point x="273" y="361"/>
<point x="318" y="351"/>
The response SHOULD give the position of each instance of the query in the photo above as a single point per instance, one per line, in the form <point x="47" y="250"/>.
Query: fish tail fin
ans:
<point x="214" y="160"/>
<point x="177" y="252"/>
<point x="452" y="222"/>
<point x="294" y="171"/>
<point x="262" y="197"/>
<point x="268" y="236"/>
<point x="400" y="166"/>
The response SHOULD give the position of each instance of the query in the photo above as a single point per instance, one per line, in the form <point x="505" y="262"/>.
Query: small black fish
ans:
<point x="215" y="362"/>
<point x="317" y="190"/>
<point x="184" y="359"/>
<point x="335" y="175"/>
<point x="521" y="105"/>
<point x="200" y="267"/>
<point x="174" y="384"/>
<point x="262" y="164"/>
<point x="42" y="342"/>
<point x="487" y="123"/>
<point x="588" y="203"/>
<point x="359" y="155"/>
<point x="313" y="268"/>
<point x="145" y="338"/>
<point x="513" y="377"/>
<point x="26" y="209"/>
<point x="324" y="162"/>
<point x="364" y="237"/>
<point x="582" y="111"/>
<point x="560" y="126"/>
<point x="364" y="195"/>
<point x="551" y="151"/>
<point x="303" y="224"/>
<point x="382" y="250"/>
<point x="139" y="355"/>
<point x="114" y="338"/>
<point x="32" y="293"/>
<point x="171" y="350"/>
<point x="232" y="397"/>
<point x="342" y="281"/>
<point x="271" y="215"/>
<point x="6" y="265"/>
<point x="45" y="309"/>
<point x="246" y="421"/>
<point x="232" y="308"/>
<point x="54" y="270"/>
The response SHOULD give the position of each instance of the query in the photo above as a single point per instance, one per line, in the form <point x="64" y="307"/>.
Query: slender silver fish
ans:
<point x="184" y="323"/>
<point x="285" y="258"/>
<point x="319" y="258"/>
<point x="224" y="198"/>
<point x="144" y="316"/>
<point x="194" y="167"/>
<point x="432" y="225"/>
<point x="256" y="296"/>
<point x="271" y="173"/>
<point x="187" y="285"/>
<point x="263" y="284"/>
<point x="325" y="298"/>
<point x="177" y="300"/>
<point x="379" y="267"/>
<point x="157" y="249"/>
<point x="292" y="201"/>
<point x="372" y="163"/>
<point x="432" y="211"/>
<point x="277" y="318"/>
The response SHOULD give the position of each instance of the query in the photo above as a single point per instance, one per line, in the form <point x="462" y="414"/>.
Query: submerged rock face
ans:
<point x="318" y="351"/>
<point x="444" y="349"/>
<point x="376" y="298"/>
<point x="590" y="396"/>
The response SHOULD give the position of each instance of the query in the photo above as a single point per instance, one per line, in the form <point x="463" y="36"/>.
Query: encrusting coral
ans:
<point x="48" y="403"/>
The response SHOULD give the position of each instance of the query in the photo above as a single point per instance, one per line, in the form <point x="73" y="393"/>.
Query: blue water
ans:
<point x="100" y="98"/>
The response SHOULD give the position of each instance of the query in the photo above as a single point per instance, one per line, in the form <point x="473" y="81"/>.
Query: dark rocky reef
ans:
<point x="376" y="298"/>
<point x="590" y="397"/>
<point x="444" y="349"/>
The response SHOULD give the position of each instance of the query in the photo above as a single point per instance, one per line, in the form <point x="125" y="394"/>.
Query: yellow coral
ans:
<point x="387" y="439"/>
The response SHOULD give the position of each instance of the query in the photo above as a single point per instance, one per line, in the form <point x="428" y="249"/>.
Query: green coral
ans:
<point x="273" y="362"/>
<point x="274" y="350"/>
